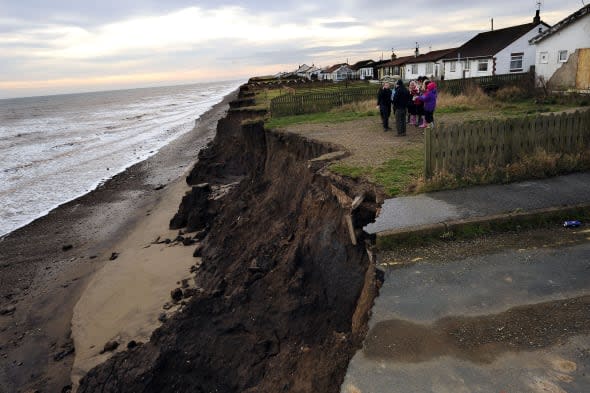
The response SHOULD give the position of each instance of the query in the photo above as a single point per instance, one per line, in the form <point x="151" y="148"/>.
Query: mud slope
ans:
<point x="283" y="290"/>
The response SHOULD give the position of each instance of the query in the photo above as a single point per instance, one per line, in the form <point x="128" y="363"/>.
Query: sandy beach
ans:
<point x="64" y="259"/>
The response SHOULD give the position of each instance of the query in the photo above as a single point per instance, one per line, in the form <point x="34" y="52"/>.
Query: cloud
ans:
<point x="65" y="41"/>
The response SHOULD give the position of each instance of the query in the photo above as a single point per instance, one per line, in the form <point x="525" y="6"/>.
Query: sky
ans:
<point x="63" y="46"/>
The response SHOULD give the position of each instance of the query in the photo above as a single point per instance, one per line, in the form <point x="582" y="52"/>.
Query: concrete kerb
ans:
<point x="477" y="226"/>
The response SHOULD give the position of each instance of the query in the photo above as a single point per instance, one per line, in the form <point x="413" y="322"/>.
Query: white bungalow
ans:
<point x="495" y="52"/>
<point x="429" y="64"/>
<point x="338" y="72"/>
<point x="563" y="52"/>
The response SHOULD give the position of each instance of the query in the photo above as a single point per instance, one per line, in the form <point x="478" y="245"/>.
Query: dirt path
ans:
<point x="371" y="147"/>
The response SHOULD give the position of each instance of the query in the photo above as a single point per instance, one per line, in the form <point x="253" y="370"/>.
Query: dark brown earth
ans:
<point x="284" y="290"/>
<point x="45" y="265"/>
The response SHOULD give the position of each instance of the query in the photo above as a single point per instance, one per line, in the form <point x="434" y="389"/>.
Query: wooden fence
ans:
<point x="457" y="148"/>
<point x="297" y="104"/>
<point x="487" y="83"/>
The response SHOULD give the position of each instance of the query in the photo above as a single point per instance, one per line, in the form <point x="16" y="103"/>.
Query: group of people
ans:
<point x="414" y="104"/>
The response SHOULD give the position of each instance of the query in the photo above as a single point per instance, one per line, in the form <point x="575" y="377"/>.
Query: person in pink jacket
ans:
<point x="429" y="100"/>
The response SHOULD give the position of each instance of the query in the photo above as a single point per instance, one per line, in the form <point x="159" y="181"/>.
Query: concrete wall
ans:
<point x="570" y="38"/>
<point x="565" y="76"/>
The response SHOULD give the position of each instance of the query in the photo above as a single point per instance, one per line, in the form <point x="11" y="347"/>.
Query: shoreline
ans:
<point x="46" y="264"/>
<point x="285" y="283"/>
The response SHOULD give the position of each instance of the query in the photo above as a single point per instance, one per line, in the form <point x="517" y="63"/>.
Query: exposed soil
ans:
<point x="286" y="282"/>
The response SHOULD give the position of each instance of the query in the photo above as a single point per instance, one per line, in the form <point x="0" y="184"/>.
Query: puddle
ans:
<point x="480" y="339"/>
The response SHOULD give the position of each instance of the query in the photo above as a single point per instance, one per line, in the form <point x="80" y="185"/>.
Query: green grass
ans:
<point x="397" y="176"/>
<point x="454" y="109"/>
<point x="321" y="117"/>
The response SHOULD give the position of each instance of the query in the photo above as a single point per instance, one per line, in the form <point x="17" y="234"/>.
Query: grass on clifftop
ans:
<point x="399" y="175"/>
<point x="347" y="112"/>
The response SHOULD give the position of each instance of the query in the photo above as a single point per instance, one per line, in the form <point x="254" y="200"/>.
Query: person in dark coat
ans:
<point x="384" y="105"/>
<point x="401" y="100"/>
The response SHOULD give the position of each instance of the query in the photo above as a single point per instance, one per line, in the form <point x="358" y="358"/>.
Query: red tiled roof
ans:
<point x="333" y="68"/>
<point x="431" y="56"/>
<point x="397" y="62"/>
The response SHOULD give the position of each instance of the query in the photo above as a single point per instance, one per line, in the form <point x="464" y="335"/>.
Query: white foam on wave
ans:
<point x="56" y="149"/>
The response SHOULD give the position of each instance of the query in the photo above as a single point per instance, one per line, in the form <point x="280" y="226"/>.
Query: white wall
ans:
<point x="470" y="72"/>
<point x="520" y="45"/>
<point x="502" y="61"/>
<point x="570" y="38"/>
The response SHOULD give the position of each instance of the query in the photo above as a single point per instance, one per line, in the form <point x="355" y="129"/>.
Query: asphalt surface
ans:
<point x="445" y="206"/>
<point x="514" y="320"/>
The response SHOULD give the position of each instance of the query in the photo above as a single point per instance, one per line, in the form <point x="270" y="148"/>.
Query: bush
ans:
<point x="511" y="94"/>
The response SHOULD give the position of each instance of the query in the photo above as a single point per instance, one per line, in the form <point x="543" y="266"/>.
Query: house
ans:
<point x="338" y="72"/>
<point x="393" y="67"/>
<point x="495" y="52"/>
<point x="563" y="52"/>
<point x="364" y="69"/>
<point x="429" y="64"/>
<point x="307" y="72"/>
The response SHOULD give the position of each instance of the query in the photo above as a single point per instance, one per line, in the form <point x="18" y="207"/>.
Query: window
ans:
<point x="466" y="64"/>
<point x="429" y="68"/>
<point x="516" y="62"/>
<point x="414" y="69"/>
<point x="453" y="66"/>
<point x="543" y="57"/>
<point x="562" y="56"/>
<point x="482" y="66"/>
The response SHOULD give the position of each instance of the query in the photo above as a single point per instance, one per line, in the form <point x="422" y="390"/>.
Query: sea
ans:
<point x="54" y="149"/>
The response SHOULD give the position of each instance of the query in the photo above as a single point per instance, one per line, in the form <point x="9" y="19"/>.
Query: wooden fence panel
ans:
<point x="457" y="148"/>
<point x="313" y="102"/>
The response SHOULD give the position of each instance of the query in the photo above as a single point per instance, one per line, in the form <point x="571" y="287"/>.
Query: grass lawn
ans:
<point x="397" y="164"/>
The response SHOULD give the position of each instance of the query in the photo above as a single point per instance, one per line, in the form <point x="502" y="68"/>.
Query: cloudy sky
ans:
<point x="61" y="46"/>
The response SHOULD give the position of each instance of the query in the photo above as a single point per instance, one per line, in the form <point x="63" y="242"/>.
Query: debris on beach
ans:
<point x="110" y="346"/>
<point x="114" y="256"/>
<point x="67" y="247"/>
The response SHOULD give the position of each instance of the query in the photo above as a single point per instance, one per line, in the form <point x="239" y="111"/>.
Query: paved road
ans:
<point x="444" y="206"/>
<point x="515" y="321"/>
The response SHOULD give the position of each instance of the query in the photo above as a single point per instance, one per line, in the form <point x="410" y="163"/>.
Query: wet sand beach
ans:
<point x="46" y="266"/>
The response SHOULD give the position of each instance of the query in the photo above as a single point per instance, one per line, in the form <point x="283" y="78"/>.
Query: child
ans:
<point x="413" y="105"/>
<point x="429" y="99"/>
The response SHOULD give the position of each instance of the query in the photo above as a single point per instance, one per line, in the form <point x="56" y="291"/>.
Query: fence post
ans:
<point x="427" y="151"/>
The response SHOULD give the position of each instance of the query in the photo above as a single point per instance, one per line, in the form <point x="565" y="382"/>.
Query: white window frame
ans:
<point x="414" y="69"/>
<point x="544" y="57"/>
<point x="466" y="65"/>
<point x="515" y="60"/>
<point x="562" y="56"/>
<point x="429" y="68"/>
<point x="481" y="63"/>
<point x="453" y="66"/>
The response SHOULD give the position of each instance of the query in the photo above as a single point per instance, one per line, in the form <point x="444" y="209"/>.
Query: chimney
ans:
<point x="492" y="24"/>
<point x="537" y="18"/>
<point x="393" y="55"/>
<point x="417" y="51"/>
